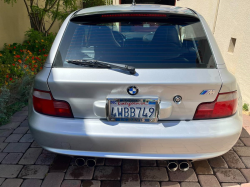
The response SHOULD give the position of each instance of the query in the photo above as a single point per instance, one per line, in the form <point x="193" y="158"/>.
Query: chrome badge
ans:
<point x="207" y="92"/>
<point x="177" y="99"/>
<point x="132" y="90"/>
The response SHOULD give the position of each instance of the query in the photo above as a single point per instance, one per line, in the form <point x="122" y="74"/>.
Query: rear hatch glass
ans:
<point x="139" y="40"/>
<point x="171" y="55"/>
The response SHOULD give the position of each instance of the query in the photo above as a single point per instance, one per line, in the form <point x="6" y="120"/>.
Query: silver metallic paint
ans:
<point x="87" y="89"/>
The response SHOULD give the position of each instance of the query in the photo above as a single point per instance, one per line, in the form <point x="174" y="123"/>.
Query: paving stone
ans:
<point x="11" y="125"/>
<point x="113" y="162"/>
<point x="1" y="180"/>
<point x="2" y="139"/>
<point x="233" y="160"/>
<point x="230" y="185"/>
<point x="246" y="173"/>
<point x="34" y="172"/>
<point x="162" y="163"/>
<point x="60" y="163"/>
<point x="25" y="108"/>
<point x="29" y="132"/>
<point x="5" y="133"/>
<point x="27" y="138"/>
<point x="153" y="174"/>
<point x="129" y="180"/>
<point x="239" y="143"/>
<point x="71" y="183"/>
<point x="21" y="113"/>
<point x="35" y="144"/>
<point x="2" y="156"/>
<point x="2" y="146"/>
<point x="246" y="161"/>
<point x="30" y="156"/>
<point x="45" y="159"/>
<point x="187" y="176"/>
<point x="16" y="147"/>
<point x="190" y="184"/>
<point x="100" y="161"/>
<point x="246" y="141"/>
<point x="242" y="151"/>
<point x="147" y="163"/>
<point x="12" y="158"/>
<point x="75" y="172"/>
<point x="91" y="183"/>
<point x="18" y="118"/>
<point x="14" y="138"/>
<point x="208" y="181"/>
<point x="9" y="171"/>
<point x="53" y="179"/>
<point x="107" y="173"/>
<point x="32" y="183"/>
<point x="218" y="162"/>
<point x="130" y="166"/>
<point x="170" y="184"/>
<point x="244" y="134"/>
<point x="229" y="175"/>
<point x="24" y="124"/>
<point x="12" y="183"/>
<point x="150" y="184"/>
<point x="202" y="167"/>
<point x="21" y="130"/>
<point x="110" y="184"/>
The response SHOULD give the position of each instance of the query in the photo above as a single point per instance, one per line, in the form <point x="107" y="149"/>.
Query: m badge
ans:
<point x="207" y="92"/>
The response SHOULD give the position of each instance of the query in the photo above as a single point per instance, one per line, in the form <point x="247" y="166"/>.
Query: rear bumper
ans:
<point x="191" y="140"/>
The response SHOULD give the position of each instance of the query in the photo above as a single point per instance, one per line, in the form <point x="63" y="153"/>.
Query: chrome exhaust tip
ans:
<point x="172" y="166"/>
<point x="80" y="161"/>
<point x="184" y="166"/>
<point x="91" y="163"/>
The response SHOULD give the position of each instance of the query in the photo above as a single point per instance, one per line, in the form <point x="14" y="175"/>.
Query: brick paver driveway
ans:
<point x="24" y="163"/>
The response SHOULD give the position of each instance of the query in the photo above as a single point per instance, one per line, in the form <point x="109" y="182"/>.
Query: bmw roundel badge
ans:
<point x="132" y="90"/>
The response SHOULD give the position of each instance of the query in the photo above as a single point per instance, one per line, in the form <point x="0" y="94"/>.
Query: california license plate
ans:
<point x="140" y="110"/>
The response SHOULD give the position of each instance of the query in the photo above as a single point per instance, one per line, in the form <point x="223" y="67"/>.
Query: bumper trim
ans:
<point x="192" y="157"/>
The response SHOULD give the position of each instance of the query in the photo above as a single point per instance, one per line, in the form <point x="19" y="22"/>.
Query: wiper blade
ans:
<point x="101" y="64"/>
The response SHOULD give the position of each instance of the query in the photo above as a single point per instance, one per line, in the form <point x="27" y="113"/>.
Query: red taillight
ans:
<point x="133" y="15"/>
<point x="44" y="103"/>
<point x="225" y="105"/>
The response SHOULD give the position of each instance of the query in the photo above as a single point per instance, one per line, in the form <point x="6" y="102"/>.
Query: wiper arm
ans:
<point x="101" y="64"/>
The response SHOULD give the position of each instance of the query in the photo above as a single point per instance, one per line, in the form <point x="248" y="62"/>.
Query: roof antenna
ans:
<point x="133" y="3"/>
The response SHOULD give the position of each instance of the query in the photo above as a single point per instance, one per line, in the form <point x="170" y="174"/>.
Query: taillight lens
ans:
<point x="44" y="103"/>
<point x="225" y="105"/>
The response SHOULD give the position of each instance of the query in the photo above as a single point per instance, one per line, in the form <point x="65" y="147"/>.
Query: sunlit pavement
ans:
<point x="24" y="163"/>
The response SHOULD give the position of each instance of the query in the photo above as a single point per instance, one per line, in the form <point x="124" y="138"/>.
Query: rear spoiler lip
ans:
<point x="131" y="11"/>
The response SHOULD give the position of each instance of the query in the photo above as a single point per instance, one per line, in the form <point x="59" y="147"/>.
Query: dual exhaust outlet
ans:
<point x="87" y="162"/>
<point x="174" y="165"/>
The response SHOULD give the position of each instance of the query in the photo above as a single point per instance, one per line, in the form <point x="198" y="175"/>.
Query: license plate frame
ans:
<point x="132" y="119"/>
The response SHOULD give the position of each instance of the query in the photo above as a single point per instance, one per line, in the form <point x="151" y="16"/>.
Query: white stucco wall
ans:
<point x="234" y="21"/>
<point x="207" y="8"/>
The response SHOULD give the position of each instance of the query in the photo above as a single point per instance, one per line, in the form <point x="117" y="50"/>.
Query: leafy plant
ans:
<point x="53" y="9"/>
<point x="14" y="97"/>
<point x="91" y="3"/>
<point x="245" y="107"/>
<point x="17" y="60"/>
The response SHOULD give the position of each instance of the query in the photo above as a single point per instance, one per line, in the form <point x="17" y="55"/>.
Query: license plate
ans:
<point x="139" y="110"/>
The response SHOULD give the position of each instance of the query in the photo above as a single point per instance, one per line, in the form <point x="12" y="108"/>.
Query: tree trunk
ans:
<point x="37" y="23"/>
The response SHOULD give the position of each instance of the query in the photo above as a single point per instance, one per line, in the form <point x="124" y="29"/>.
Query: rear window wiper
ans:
<point x="101" y="64"/>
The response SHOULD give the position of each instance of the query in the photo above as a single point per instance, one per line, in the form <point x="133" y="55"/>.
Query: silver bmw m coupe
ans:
<point x="136" y="82"/>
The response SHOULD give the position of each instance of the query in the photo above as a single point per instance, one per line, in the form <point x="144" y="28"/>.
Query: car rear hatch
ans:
<point x="170" y="52"/>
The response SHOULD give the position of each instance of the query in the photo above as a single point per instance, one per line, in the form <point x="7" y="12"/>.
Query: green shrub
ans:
<point x="245" y="107"/>
<point x="14" y="97"/>
<point x="19" y="63"/>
